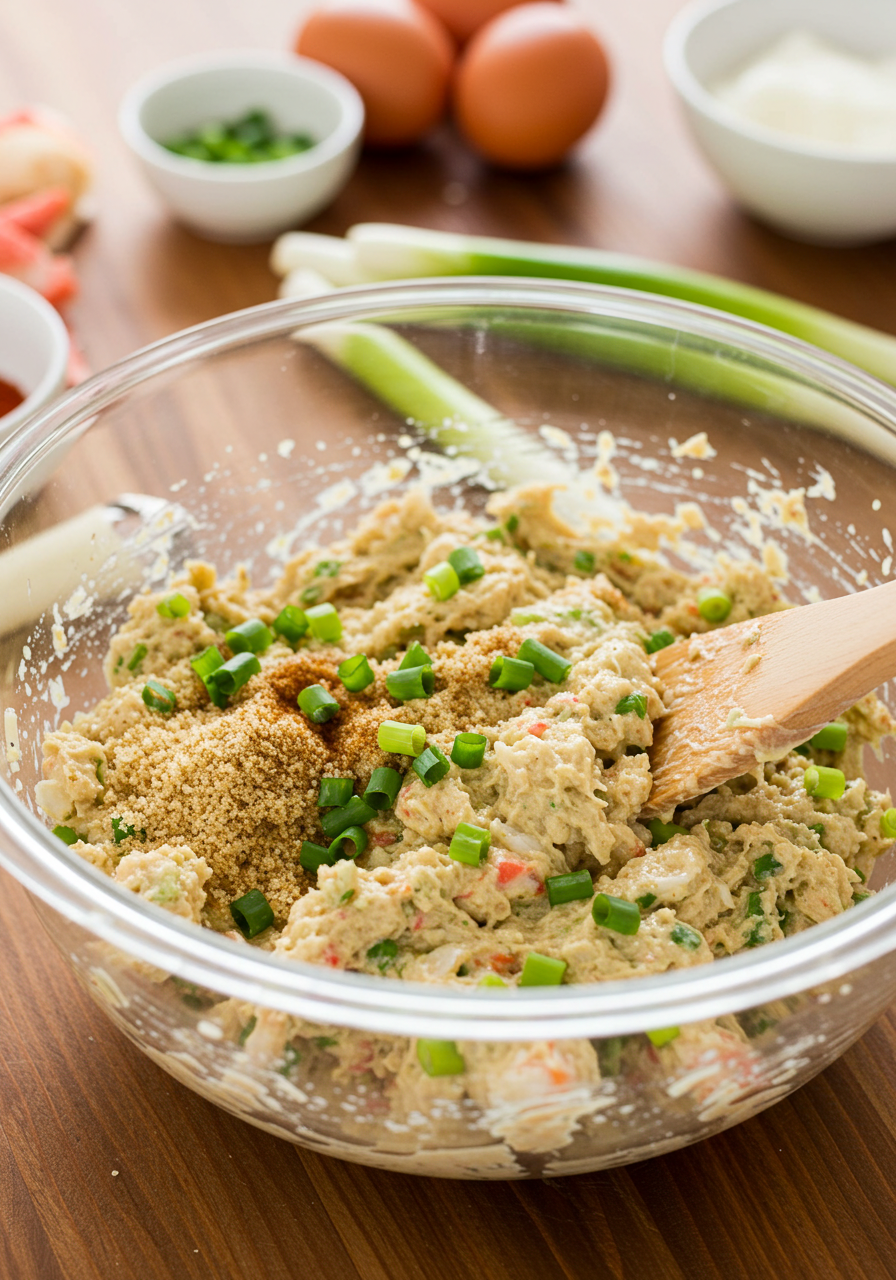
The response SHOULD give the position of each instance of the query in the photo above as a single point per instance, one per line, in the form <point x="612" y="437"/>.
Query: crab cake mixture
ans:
<point x="519" y="859"/>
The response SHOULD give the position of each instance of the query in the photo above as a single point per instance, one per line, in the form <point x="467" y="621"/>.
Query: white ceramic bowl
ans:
<point x="235" y="202"/>
<point x="806" y="190"/>
<point x="34" y="348"/>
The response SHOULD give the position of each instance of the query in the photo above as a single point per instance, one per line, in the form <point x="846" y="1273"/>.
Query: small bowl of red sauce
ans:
<point x="34" y="349"/>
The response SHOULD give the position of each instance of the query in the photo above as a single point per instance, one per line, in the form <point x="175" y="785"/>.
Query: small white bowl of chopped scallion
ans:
<point x="242" y="146"/>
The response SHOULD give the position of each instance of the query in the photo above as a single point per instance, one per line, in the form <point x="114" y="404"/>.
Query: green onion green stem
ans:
<point x="334" y="792"/>
<point x="401" y="739"/>
<point x="383" y="788"/>
<point x="431" y="765"/>
<point x="569" y="887"/>
<point x="158" y="698"/>
<point x="251" y="636"/>
<point x="542" y="971"/>
<point x="469" y="844"/>
<point x="442" y="580"/>
<point x="617" y="914"/>
<point x="823" y="783"/>
<point x="410" y="683"/>
<point x="353" y="814"/>
<point x="355" y="836"/>
<point x="468" y="751"/>
<point x="512" y="674"/>
<point x="252" y="913"/>
<point x="552" y="666"/>
<point x="317" y="704"/>
<point x="355" y="673"/>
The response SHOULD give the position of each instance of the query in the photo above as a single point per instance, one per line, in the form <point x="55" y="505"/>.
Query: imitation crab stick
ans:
<point x="26" y="258"/>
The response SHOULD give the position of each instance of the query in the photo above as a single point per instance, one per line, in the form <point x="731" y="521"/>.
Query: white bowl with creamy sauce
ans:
<point x="792" y="103"/>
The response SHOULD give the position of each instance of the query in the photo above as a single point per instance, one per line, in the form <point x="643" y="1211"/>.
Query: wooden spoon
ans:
<point x="755" y="690"/>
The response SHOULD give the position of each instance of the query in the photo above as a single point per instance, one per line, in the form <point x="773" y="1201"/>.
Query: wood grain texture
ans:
<point x="805" y="1190"/>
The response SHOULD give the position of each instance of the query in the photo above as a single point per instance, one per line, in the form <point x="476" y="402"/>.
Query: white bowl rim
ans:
<point x="698" y="97"/>
<point x="79" y="892"/>
<point x="53" y="378"/>
<point x="335" y="143"/>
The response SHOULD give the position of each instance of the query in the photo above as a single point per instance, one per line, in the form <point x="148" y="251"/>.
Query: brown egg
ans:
<point x="396" y="54"/>
<point x="530" y="83"/>
<point x="464" y="17"/>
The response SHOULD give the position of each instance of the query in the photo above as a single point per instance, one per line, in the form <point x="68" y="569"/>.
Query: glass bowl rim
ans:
<point x="79" y="892"/>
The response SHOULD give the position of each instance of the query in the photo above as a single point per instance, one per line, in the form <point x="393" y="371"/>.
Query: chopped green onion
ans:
<point x="861" y="875"/>
<point x="308" y="595"/>
<point x="383" y="787"/>
<point x="802" y="750"/>
<point x="754" y="904"/>
<point x="491" y="980"/>
<point x="832" y="737"/>
<point x="584" y="561"/>
<point x="383" y="953"/>
<point x="291" y="623"/>
<point x="818" y="828"/>
<point x="318" y="705"/>
<point x="511" y="524"/>
<point x="401" y="739"/>
<point x="659" y="640"/>
<point x="468" y="751"/>
<point x="327" y="568"/>
<point x="617" y="914"/>
<point x="173" y="606"/>
<point x="122" y="830"/>
<point x="205" y="664"/>
<point x="335" y="792"/>
<point x="431" y="765"/>
<point x="888" y="824"/>
<point x="542" y="971"/>
<point x="664" y="1036"/>
<point x="138" y="655"/>
<point x="512" y="674"/>
<point x="663" y="831"/>
<point x="684" y="936"/>
<point x="824" y="784"/>
<point x="442" y="580"/>
<point x="247" y="1030"/>
<point x="66" y="834"/>
<point x="355" y="673"/>
<point x="313" y="856"/>
<point x="494" y="534"/>
<point x="324" y="623"/>
<point x="469" y="844"/>
<point x="440" y="1058"/>
<point x="713" y="604"/>
<point x="646" y="901"/>
<point x="569" y="887"/>
<point x="521" y="617"/>
<point x="356" y="836"/>
<point x="416" y="656"/>
<point x="466" y="564"/>
<point x="251" y="636"/>
<point x="632" y="702"/>
<point x="252" y="913"/>
<point x="412" y="682"/>
<point x="353" y="814"/>
<point x="860" y="897"/>
<point x="766" y="867"/>
<point x="234" y="673"/>
<point x="552" y="666"/>
<point x="158" y="698"/>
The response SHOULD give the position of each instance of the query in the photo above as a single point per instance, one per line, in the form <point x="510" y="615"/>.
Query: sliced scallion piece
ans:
<point x="324" y="623"/>
<point x="766" y="867"/>
<point x="205" y="664"/>
<point x="468" y="751"/>
<point x="353" y="814"/>
<point x="416" y="656"/>
<point x="754" y="904"/>
<point x="713" y="604"/>
<point x="383" y="788"/>
<point x="355" y="673"/>
<point x="584" y="561"/>
<point x="823" y="783"/>
<point x="617" y="914"/>
<point x="66" y="834"/>
<point x="252" y="913"/>
<point x="888" y="824"/>
<point x="542" y="971"/>
<point x="355" y="836"/>
<point x="383" y="953"/>
<point x="466" y="564"/>
<point x="513" y="674"/>
<point x="313" y="856"/>
<point x="335" y="792"/>
<point x="646" y="901"/>
<point x="291" y="623"/>
<point x="665" y="1035"/>
<point x="469" y="844"/>
<point x="431" y="765"/>
<point x="138" y="655"/>
<point x="318" y="705"/>
<point x="158" y="698"/>
<point x="401" y="739"/>
<point x="173" y="606"/>
<point x="440" y="1058"/>
<point x="663" y="831"/>
<point x="684" y="936"/>
<point x="492" y="980"/>
<point x="552" y="666"/>
<point x="410" y="683"/>
<point x="569" y="887"/>
<point x="251" y="636"/>
<point x="632" y="703"/>
<point x="235" y="672"/>
<point x="832" y="737"/>
<point x="659" y="640"/>
<point x="442" y="580"/>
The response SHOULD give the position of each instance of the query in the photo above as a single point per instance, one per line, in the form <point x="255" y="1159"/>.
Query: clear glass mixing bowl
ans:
<point x="237" y="443"/>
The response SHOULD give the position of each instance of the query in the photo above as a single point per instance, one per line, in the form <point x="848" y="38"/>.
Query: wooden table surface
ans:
<point x="804" y="1190"/>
